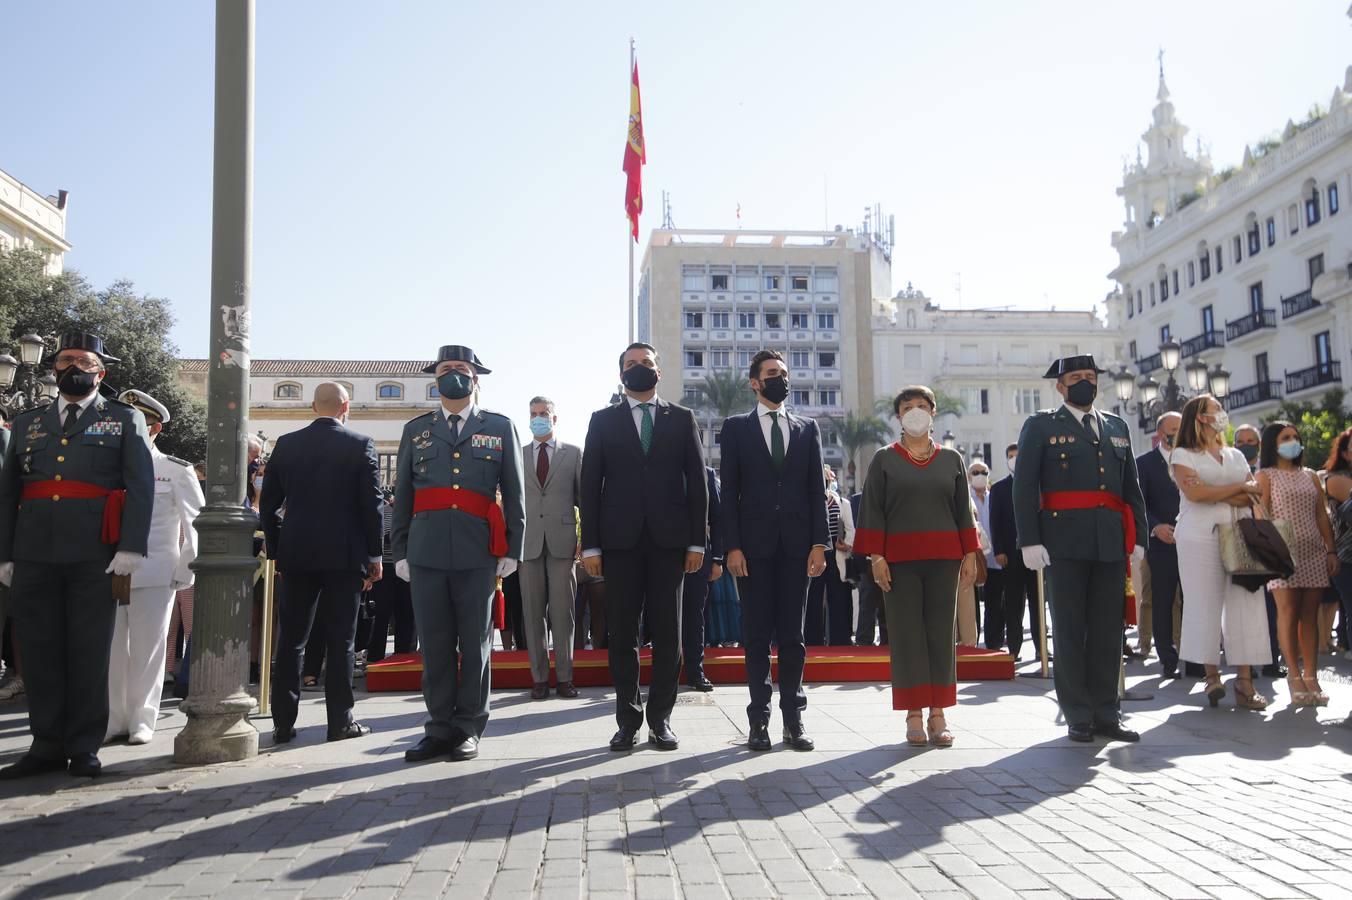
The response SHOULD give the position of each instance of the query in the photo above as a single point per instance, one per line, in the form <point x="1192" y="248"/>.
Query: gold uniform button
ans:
<point x="56" y="496"/>
<point x="488" y="456"/>
<point x="60" y="459"/>
<point x="1053" y="515"/>
<point x="64" y="442"/>
<point x="455" y="455"/>
<point x="455" y="487"/>
<point x="58" y="477"/>
<point x="455" y="506"/>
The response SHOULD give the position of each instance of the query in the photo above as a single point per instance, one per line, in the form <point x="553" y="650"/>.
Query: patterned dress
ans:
<point x="1296" y="499"/>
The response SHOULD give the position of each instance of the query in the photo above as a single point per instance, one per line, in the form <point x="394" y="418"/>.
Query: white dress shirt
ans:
<point x="82" y="405"/>
<point x="464" y="414"/>
<point x="552" y="444"/>
<point x="1079" y="415"/>
<point x="766" y="423"/>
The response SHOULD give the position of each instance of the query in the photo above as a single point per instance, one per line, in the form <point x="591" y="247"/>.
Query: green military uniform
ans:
<point x="452" y="571"/>
<point x="1074" y="491"/>
<point x="61" y="595"/>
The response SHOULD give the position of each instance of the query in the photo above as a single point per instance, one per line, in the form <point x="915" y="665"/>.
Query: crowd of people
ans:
<point x="633" y="541"/>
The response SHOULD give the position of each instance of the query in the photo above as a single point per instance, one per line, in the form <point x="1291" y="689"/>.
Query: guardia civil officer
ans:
<point x="141" y="630"/>
<point x="75" y="507"/>
<point x="451" y="541"/>
<point x="1078" y="509"/>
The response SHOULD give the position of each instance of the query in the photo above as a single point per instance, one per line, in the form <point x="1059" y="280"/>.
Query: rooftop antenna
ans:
<point x="957" y="287"/>
<point x="666" y="211"/>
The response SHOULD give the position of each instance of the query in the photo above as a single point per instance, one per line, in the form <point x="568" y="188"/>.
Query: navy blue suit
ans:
<point x="1004" y="608"/>
<point x="774" y="518"/>
<point x="327" y="478"/>
<point x="695" y="591"/>
<point x="1161" y="508"/>
<point x="872" y="616"/>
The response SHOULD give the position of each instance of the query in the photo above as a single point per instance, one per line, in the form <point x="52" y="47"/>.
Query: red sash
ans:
<point x="1063" y="500"/>
<point x="82" y="490"/>
<point x="479" y="506"/>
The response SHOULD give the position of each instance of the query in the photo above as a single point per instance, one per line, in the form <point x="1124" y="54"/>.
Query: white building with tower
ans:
<point x="1244" y="269"/>
<point x="32" y="221"/>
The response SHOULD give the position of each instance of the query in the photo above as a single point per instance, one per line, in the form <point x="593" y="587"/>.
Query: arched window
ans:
<point x="390" y="390"/>
<point x="1312" y="205"/>
<point x="1251" y="229"/>
<point x="287" y="390"/>
<point x="1204" y="260"/>
<point x="432" y="392"/>
<point x="1162" y="278"/>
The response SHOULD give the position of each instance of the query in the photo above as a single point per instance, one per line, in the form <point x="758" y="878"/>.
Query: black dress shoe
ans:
<point x="466" y="749"/>
<point x="283" y="734"/>
<point x="702" y="684"/>
<point x="662" y="737"/>
<point x="1082" y="733"/>
<point x="624" y="739"/>
<point x="428" y="748"/>
<point x="759" y="737"/>
<point x="85" y="765"/>
<point x="29" y="764"/>
<point x="1169" y="673"/>
<point x="1273" y="670"/>
<point x="351" y="730"/>
<point x="796" y="737"/>
<point x="1116" y="732"/>
<point x="540" y="690"/>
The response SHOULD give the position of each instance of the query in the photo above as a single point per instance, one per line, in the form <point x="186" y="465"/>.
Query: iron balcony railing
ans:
<point x="1204" y="341"/>
<point x="1322" y="373"/>
<point x="1298" y="303"/>
<point x="1253" y="394"/>
<point x="1254" y="321"/>
<point x="1148" y="364"/>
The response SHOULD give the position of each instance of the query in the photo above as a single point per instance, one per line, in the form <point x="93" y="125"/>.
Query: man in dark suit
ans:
<point x="644" y="510"/>
<point x="1161" y="514"/>
<point x="1004" y="609"/>
<point x="776" y="535"/>
<point x="695" y="592"/>
<point x="872" y="617"/>
<point x="327" y="478"/>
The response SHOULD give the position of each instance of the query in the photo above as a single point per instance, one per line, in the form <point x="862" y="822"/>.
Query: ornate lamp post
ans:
<point x="1152" y="404"/>
<point x="949" y="440"/>
<point x="21" y="387"/>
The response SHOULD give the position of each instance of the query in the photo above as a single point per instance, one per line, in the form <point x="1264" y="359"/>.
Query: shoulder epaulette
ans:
<point x="181" y="462"/>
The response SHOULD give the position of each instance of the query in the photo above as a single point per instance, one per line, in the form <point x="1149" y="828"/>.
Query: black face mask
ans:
<point x="454" y="385"/>
<point x="775" y="389"/>
<point x="76" y="382"/>
<point x="1248" y="451"/>
<point x="639" y="379"/>
<point x="1082" y="393"/>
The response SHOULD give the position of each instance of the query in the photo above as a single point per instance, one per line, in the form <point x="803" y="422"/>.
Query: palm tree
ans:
<point x="722" y="393"/>
<point x="858" y="431"/>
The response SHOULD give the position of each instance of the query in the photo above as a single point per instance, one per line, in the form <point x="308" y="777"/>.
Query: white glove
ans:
<point x="6" y="573"/>
<point x="1036" y="557"/>
<point x="124" y="563"/>
<point x="401" y="569"/>
<point x="506" y="566"/>
<point x="1137" y="554"/>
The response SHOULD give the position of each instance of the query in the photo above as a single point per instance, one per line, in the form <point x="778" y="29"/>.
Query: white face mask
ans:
<point x="980" y="481"/>
<point x="916" y="422"/>
<point x="1220" y="420"/>
<point x="1010" y="463"/>
<point x="258" y="484"/>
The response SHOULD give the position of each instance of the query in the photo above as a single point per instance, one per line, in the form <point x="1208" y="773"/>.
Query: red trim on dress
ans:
<point x="935" y="696"/>
<point x="868" y="541"/>
<point x="912" y="546"/>
<point x="906" y="455"/>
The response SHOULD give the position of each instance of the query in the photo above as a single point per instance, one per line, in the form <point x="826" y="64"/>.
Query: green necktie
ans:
<point x="645" y="434"/>
<point x="776" y="442"/>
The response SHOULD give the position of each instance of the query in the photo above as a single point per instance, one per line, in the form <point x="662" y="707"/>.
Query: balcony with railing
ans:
<point x="1253" y="323"/>
<point x="1298" y="303"/>
<point x="1314" y="376"/>
<point x="1254" y="394"/>
<point x="1151" y="363"/>
<point x="1207" y="340"/>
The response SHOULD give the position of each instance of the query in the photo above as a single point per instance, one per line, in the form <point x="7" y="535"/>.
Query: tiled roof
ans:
<point x="320" y="367"/>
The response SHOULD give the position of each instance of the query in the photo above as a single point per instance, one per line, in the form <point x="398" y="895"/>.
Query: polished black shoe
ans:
<point x="1116" y="732"/>
<point x="796" y="738"/>
<point x="662" y="737"/>
<point x="428" y="748"/>
<point x="283" y="735"/>
<point x="351" y="730"/>
<point x="1273" y="670"/>
<point x="624" y="739"/>
<point x="758" y="738"/>
<point x="1082" y="733"/>
<point x="540" y="690"/>
<point x="85" y="765"/>
<point x="468" y="748"/>
<point x="29" y="765"/>
<point x="703" y="685"/>
<point x="1169" y="673"/>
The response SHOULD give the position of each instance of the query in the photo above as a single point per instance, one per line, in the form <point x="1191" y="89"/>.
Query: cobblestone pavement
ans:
<point x="1212" y="803"/>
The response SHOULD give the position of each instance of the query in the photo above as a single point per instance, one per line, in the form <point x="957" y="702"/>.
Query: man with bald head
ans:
<point x="1161" y="513"/>
<point x="327" y="479"/>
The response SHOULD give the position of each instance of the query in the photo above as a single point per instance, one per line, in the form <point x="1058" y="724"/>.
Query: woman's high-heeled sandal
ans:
<point x="941" y="736"/>
<point x="1317" y="695"/>
<point x="1215" y="691"/>
<point x="916" y="736"/>
<point x="1299" y="695"/>
<point x="1247" y="698"/>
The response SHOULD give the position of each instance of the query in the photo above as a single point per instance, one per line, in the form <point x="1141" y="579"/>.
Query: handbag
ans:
<point x="1236" y="555"/>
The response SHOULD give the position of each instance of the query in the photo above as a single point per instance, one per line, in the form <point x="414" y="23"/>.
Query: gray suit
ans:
<point x="548" y="580"/>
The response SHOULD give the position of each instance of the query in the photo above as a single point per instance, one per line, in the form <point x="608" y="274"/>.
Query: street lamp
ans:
<point x="1124" y="383"/>
<point x="1169" y="353"/>
<point x="1220" y="383"/>
<point x="20" y="387"/>
<point x="1150" y="389"/>
<point x="1197" y="374"/>
<point x="30" y="349"/>
<point x="9" y="367"/>
<point x="949" y="440"/>
<point x="47" y="388"/>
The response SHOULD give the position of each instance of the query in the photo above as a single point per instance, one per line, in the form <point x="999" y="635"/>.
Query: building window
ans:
<point x="692" y="280"/>
<point x="1208" y="319"/>
<point x="746" y="282"/>
<point x="694" y="359"/>
<point x="1333" y="199"/>
<point x="1315" y="265"/>
<point x="388" y="463"/>
<point x="718" y="320"/>
<point x="390" y="391"/>
<point x="1027" y="401"/>
<point x="1323" y="349"/>
<point x="746" y="320"/>
<point x="1192" y="273"/>
<point x="1262" y="375"/>
<point x="828" y="398"/>
<point x="718" y="282"/>
<point x="1271" y="231"/>
<point x="1131" y="350"/>
<point x="801" y="398"/>
<point x="1255" y="244"/>
<point x="826" y="360"/>
<point x="1220" y="262"/>
<point x="800" y="359"/>
<point x="826" y="282"/>
<point x="1175" y="281"/>
<point x="721" y="359"/>
<point x="911" y="356"/>
<point x="1140" y="307"/>
<point x="830" y="438"/>
<point x="1204" y="262"/>
<point x="1152" y="294"/>
<point x="1256" y="297"/>
<point x="1165" y="332"/>
<point x="1131" y="307"/>
<point x="798" y="320"/>
<point x="772" y="282"/>
<point x="1164" y="289"/>
<point x="798" y="282"/>
<point x="826" y="321"/>
<point x="968" y="354"/>
<point x="694" y="320"/>
<point x="1312" y="207"/>
<point x="774" y="320"/>
<point x="691" y="396"/>
<point x="1239" y="250"/>
<point x="432" y="392"/>
<point x="286" y="391"/>
<point x="744" y="358"/>
<point x="975" y="400"/>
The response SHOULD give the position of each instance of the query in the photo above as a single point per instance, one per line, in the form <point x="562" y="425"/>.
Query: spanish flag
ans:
<point x="635" y="157"/>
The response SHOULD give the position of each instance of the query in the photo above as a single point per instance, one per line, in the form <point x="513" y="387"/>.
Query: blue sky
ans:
<point x="432" y="172"/>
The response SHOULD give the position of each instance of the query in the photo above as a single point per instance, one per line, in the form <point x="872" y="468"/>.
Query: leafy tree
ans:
<point x="858" y="431"/>
<point x="135" y="328"/>
<point x="948" y="404"/>
<point x="1318" y="423"/>
<point x="722" y="392"/>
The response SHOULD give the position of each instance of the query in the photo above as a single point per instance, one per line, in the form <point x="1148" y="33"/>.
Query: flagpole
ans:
<point x="628" y="237"/>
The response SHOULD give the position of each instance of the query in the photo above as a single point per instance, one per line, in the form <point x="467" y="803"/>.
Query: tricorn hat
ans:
<point x="1072" y="364"/>
<point x="146" y="404"/>
<point x="79" y="340"/>
<point x="458" y="353"/>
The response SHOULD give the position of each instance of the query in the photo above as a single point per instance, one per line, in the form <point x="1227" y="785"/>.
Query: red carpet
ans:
<point x="723" y="665"/>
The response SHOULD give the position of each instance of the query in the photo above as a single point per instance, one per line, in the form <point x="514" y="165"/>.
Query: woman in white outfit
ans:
<point x="1214" y="482"/>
